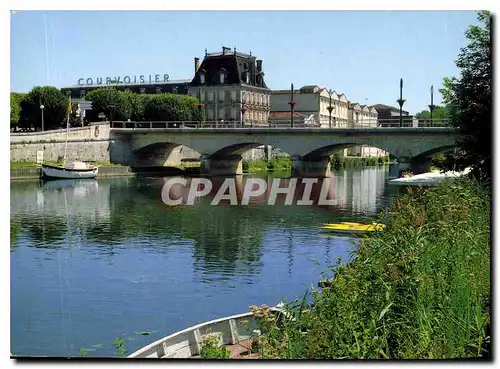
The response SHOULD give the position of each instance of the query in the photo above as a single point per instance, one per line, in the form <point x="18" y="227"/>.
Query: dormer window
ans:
<point x="222" y="76"/>
<point x="202" y="78"/>
<point x="247" y="78"/>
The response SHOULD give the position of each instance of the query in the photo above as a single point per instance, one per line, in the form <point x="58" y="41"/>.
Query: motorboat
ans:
<point x="432" y="178"/>
<point x="353" y="227"/>
<point x="236" y="333"/>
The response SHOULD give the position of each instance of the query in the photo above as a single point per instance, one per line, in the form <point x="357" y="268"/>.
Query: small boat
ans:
<point x="427" y="179"/>
<point x="74" y="170"/>
<point x="353" y="227"/>
<point x="236" y="333"/>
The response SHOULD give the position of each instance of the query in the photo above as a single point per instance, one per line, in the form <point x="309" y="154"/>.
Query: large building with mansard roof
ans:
<point x="231" y="87"/>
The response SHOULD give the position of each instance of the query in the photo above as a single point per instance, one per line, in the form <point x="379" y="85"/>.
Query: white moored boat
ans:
<point x="235" y="332"/>
<point x="74" y="170"/>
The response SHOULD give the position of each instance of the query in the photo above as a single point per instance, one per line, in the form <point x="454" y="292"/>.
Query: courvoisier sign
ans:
<point x="151" y="78"/>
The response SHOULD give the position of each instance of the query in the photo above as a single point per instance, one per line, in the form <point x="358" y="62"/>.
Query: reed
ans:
<point x="419" y="290"/>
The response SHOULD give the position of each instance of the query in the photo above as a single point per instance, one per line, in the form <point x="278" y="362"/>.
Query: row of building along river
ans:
<point x="98" y="260"/>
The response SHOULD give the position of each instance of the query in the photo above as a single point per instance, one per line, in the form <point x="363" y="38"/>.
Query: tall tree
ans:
<point x="469" y="100"/>
<point x="55" y="108"/>
<point x="15" y="108"/>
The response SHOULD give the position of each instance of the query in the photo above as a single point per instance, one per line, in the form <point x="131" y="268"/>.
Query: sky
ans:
<point x="362" y="54"/>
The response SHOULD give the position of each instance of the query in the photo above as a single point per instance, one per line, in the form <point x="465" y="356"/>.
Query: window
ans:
<point x="143" y="90"/>
<point x="210" y="96"/>
<point x="233" y="113"/>
<point x="202" y="78"/>
<point x="202" y="95"/>
<point x="222" y="113"/>
<point x="210" y="114"/>
<point x="175" y="90"/>
<point x="247" y="78"/>
<point x="233" y="95"/>
<point x="82" y="94"/>
<point x="222" y="77"/>
<point x="158" y="90"/>
<point x="222" y="95"/>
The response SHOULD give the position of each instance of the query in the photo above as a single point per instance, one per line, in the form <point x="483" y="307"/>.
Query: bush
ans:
<point x="418" y="290"/>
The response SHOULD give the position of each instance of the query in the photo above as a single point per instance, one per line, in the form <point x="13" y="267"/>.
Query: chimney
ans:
<point x="259" y="65"/>
<point x="196" y="64"/>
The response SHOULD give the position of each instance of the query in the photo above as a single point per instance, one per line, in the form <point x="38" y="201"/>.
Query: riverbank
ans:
<point x="284" y="163"/>
<point x="419" y="290"/>
<point x="29" y="170"/>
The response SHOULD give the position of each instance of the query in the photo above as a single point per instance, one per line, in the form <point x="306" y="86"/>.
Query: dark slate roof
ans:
<point x="235" y="64"/>
<point x="380" y="107"/>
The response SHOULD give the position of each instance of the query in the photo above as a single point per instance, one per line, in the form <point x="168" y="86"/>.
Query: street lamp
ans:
<point x="401" y="102"/>
<point x="330" y="107"/>
<point x="41" y="109"/>
<point x="432" y="106"/>
<point x="292" y="104"/>
<point x="110" y="108"/>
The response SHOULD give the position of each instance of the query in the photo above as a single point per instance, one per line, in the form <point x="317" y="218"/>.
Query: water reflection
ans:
<point x="95" y="260"/>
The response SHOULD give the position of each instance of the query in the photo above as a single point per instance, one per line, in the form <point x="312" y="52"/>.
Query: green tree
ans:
<point x="106" y="99"/>
<point x="440" y="112"/>
<point x="170" y="107"/>
<point x="469" y="100"/>
<point x="15" y="108"/>
<point x="137" y="103"/>
<point x="55" y="108"/>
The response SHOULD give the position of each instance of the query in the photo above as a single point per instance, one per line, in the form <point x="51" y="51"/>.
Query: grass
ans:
<point x="419" y="290"/>
<point x="279" y="163"/>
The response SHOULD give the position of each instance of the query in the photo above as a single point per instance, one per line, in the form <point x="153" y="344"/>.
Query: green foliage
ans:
<point x="211" y="348"/>
<point x="171" y="107"/>
<point x="15" y="108"/>
<point x="418" y="290"/>
<point x="469" y="100"/>
<point x="109" y="101"/>
<point x="440" y="112"/>
<point x="339" y="161"/>
<point x="120" y="348"/>
<point x="278" y="163"/>
<point x="55" y="108"/>
<point x="83" y="352"/>
<point x="143" y="107"/>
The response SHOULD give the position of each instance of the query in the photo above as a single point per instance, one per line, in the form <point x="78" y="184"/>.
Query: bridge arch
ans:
<point x="159" y="154"/>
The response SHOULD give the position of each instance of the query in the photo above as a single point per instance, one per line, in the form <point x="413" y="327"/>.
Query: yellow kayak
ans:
<point x="353" y="227"/>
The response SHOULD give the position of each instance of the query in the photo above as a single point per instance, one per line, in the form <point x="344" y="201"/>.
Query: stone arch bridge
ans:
<point x="310" y="148"/>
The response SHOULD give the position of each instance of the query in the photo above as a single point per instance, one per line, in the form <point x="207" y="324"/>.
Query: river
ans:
<point x="100" y="260"/>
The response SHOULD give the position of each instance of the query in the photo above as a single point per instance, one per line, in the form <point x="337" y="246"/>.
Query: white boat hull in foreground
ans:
<point x="70" y="172"/>
<point x="187" y="343"/>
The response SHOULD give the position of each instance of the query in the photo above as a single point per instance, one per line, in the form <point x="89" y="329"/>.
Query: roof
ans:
<point x="235" y="65"/>
<point x="380" y="107"/>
